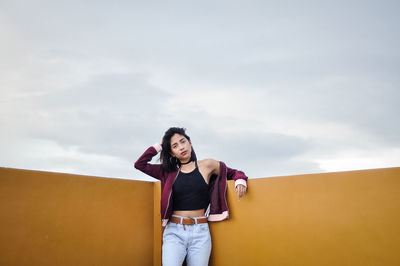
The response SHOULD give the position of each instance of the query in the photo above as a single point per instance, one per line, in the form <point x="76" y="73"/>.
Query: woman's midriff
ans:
<point x="192" y="213"/>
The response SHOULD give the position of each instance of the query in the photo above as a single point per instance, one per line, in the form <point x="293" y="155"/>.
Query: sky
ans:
<point x="272" y="88"/>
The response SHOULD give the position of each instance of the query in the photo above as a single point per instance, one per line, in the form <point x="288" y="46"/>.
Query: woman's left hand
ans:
<point x="241" y="190"/>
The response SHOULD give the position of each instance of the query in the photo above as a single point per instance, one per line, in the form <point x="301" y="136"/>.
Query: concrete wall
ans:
<point x="61" y="219"/>
<point x="347" y="218"/>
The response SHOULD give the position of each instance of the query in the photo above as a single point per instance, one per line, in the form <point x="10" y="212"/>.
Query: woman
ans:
<point x="193" y="193"/>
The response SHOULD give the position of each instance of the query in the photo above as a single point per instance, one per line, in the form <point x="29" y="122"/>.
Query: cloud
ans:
<point x="274" y="88"/>
<point x="108" y="117"/>
<point x="258" y="154"/>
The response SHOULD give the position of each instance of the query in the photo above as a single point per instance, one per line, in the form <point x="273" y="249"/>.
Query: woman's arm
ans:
<point x="239" y="177"/>
<point x="142" y="164"/>
<point x="240" y="181"/>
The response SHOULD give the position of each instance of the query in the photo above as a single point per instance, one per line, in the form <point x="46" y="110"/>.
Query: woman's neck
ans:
<point x="187" y="167"/>
<point x="183" y="163"/>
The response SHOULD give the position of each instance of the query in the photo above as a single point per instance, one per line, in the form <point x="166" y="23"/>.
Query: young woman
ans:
<point x="192" y="193"/>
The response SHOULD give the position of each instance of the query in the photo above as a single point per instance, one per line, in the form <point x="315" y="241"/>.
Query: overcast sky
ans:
<point x="269" y="87"/>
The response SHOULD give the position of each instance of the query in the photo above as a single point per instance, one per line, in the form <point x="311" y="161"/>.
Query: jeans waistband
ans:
<point x="188" y="217"/>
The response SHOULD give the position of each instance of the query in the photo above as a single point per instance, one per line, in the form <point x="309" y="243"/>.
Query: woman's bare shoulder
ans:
<point x="209" y="163"/>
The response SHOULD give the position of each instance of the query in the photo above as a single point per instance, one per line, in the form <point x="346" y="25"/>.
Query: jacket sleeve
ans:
<point x="239" y="177"/>
<point x="142" y="164"/>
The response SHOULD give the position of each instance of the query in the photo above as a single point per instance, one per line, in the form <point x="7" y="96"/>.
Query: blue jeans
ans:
<point x="193" y="241"/>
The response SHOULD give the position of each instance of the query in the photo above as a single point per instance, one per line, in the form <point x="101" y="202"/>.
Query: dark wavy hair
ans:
<point x="170" y="163"/>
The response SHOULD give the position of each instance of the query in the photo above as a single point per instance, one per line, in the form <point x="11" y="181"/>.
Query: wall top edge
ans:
<point x="72" y="174"/>
<point x="154" y="181"/>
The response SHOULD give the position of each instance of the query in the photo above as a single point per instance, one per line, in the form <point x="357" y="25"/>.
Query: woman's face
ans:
<point x="181" y="147"/>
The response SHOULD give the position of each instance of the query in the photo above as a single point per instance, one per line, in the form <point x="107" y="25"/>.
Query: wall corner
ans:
<point x="156" y="224"/>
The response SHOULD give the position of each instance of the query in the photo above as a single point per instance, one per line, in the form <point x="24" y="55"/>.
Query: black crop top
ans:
<point x="190" y="191"/>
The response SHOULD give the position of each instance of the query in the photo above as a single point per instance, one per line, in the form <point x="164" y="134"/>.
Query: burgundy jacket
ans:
<point x="218" y="209"/>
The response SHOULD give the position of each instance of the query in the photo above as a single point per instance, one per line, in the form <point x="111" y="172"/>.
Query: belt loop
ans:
<point x="195" y="220"/>
<point x="184" y="227"/>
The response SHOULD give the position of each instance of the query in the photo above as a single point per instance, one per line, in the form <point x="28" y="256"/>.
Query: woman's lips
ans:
<point x="184" y="153"/>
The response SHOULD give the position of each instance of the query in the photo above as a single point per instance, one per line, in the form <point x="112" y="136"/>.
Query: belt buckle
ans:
<point x="194" y="219"/>
<point x="188" y="218"/>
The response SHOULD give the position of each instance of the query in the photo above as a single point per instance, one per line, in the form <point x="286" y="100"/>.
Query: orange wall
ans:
<point x="347" y="218"/>
<point x="61" y="219"/>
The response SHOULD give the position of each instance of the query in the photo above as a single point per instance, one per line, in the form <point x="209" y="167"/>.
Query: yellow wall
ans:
<point x="347" y="218"/>
<point x="60" y="219"/>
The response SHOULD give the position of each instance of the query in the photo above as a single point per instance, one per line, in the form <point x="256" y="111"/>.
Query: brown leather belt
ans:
<point x="187" y="220"/>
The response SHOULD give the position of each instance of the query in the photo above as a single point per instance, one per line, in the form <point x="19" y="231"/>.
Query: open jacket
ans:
<point x="218" y="208"/>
